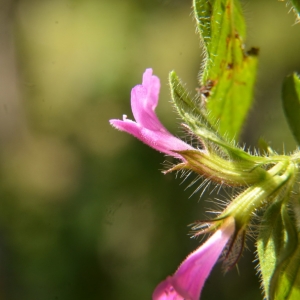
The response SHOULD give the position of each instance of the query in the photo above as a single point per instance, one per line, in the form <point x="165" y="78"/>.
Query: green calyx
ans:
<point x="278" y="254"/>
<point x="274" y="188"/>
<point x="222" y="171"/>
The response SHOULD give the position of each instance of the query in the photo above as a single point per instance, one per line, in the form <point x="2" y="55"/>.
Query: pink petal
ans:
<point x="161" y="141"/>
<point x="147" y="128"/>
<point x="144" y="99"/>
<point x="165" y="291"/>
<point x="189" y="279"/>
<point x="142" y="109"/>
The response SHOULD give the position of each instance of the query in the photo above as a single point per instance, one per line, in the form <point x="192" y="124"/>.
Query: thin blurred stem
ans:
<point x="10" y="110"/>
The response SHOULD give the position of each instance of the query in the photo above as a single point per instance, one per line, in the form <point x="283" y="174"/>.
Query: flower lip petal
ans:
<point x="152" y="83"/>
<point x="143" y="111"/>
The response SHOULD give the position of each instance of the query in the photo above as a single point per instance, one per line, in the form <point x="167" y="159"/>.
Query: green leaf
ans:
<point x="229" y="72"/>
<point x="288" y="285"/>
<point x="190" y="111"/>
<point x="291" y="103"/>
<point x="296" y="8"/>
<point x="276" y="248"/>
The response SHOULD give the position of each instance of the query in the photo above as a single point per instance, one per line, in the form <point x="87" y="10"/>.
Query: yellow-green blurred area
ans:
<point x="85" y="212"/>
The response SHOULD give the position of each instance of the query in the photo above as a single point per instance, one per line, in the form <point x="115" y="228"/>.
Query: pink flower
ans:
<point x="189" y="279"/>
<point x="147" y="128"/>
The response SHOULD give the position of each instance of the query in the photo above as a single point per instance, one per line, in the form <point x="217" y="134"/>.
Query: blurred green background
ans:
<point x="84" y="211"/>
